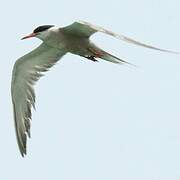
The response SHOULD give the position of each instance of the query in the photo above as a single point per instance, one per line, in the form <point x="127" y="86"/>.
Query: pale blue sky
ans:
<point x="97" y="121"/>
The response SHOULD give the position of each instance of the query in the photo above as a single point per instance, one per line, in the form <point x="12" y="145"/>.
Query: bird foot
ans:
<point x="92" y="58"/>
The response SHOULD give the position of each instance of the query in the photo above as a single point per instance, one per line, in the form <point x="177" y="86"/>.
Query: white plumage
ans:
<point x="56" y="43"/>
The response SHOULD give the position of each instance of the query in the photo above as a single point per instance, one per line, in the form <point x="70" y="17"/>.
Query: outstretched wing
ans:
<point x="27" y="70"/>
<point x="85" y="29"/>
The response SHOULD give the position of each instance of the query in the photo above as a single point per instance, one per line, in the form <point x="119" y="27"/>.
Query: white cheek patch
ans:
<point x="43" y="35"/>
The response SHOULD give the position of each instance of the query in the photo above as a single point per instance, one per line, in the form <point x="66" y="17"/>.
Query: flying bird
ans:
<point x="75" y="39"/>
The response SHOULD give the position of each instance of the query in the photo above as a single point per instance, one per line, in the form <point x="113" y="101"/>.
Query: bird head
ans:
<point x="40" y="32"/>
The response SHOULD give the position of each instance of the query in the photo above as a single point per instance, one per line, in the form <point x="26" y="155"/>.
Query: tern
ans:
<point x="57" y="41"/>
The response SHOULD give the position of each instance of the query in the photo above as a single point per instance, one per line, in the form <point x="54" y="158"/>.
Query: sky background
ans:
<point x="96" y="121"/>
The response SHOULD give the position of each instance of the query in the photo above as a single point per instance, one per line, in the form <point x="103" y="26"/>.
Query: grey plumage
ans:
<point x="56" y="43"/>
<point x="27" y="70"/>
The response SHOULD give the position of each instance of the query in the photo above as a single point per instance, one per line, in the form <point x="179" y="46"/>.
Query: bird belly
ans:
<point x="80" y="48"/>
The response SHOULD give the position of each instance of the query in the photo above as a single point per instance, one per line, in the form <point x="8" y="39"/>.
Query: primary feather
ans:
<point x="56" y="42"/>
<point x="87" y="29"/>
<point x="27" y="70"/>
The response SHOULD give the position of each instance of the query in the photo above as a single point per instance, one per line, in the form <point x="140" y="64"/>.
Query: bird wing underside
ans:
<point x="27" y="70"/>
<point x="85" y="29"/>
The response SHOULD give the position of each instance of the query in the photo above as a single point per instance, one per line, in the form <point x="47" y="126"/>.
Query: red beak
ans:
<point x="29" y="36"/>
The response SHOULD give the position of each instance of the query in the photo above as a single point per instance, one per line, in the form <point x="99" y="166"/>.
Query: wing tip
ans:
<point x="22" y="149"/>
<point x="23" y="154"/>
<point x="22" y="146"/>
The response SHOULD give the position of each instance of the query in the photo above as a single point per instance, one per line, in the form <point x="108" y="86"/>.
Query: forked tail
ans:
<point x="99" y="53"/>
<point x="111" y="58"/>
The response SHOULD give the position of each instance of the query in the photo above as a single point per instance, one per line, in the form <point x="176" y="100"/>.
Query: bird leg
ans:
<point x="96" y="53"/>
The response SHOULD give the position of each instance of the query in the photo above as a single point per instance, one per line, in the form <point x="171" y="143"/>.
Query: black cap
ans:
<point x="42" y="28"/>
